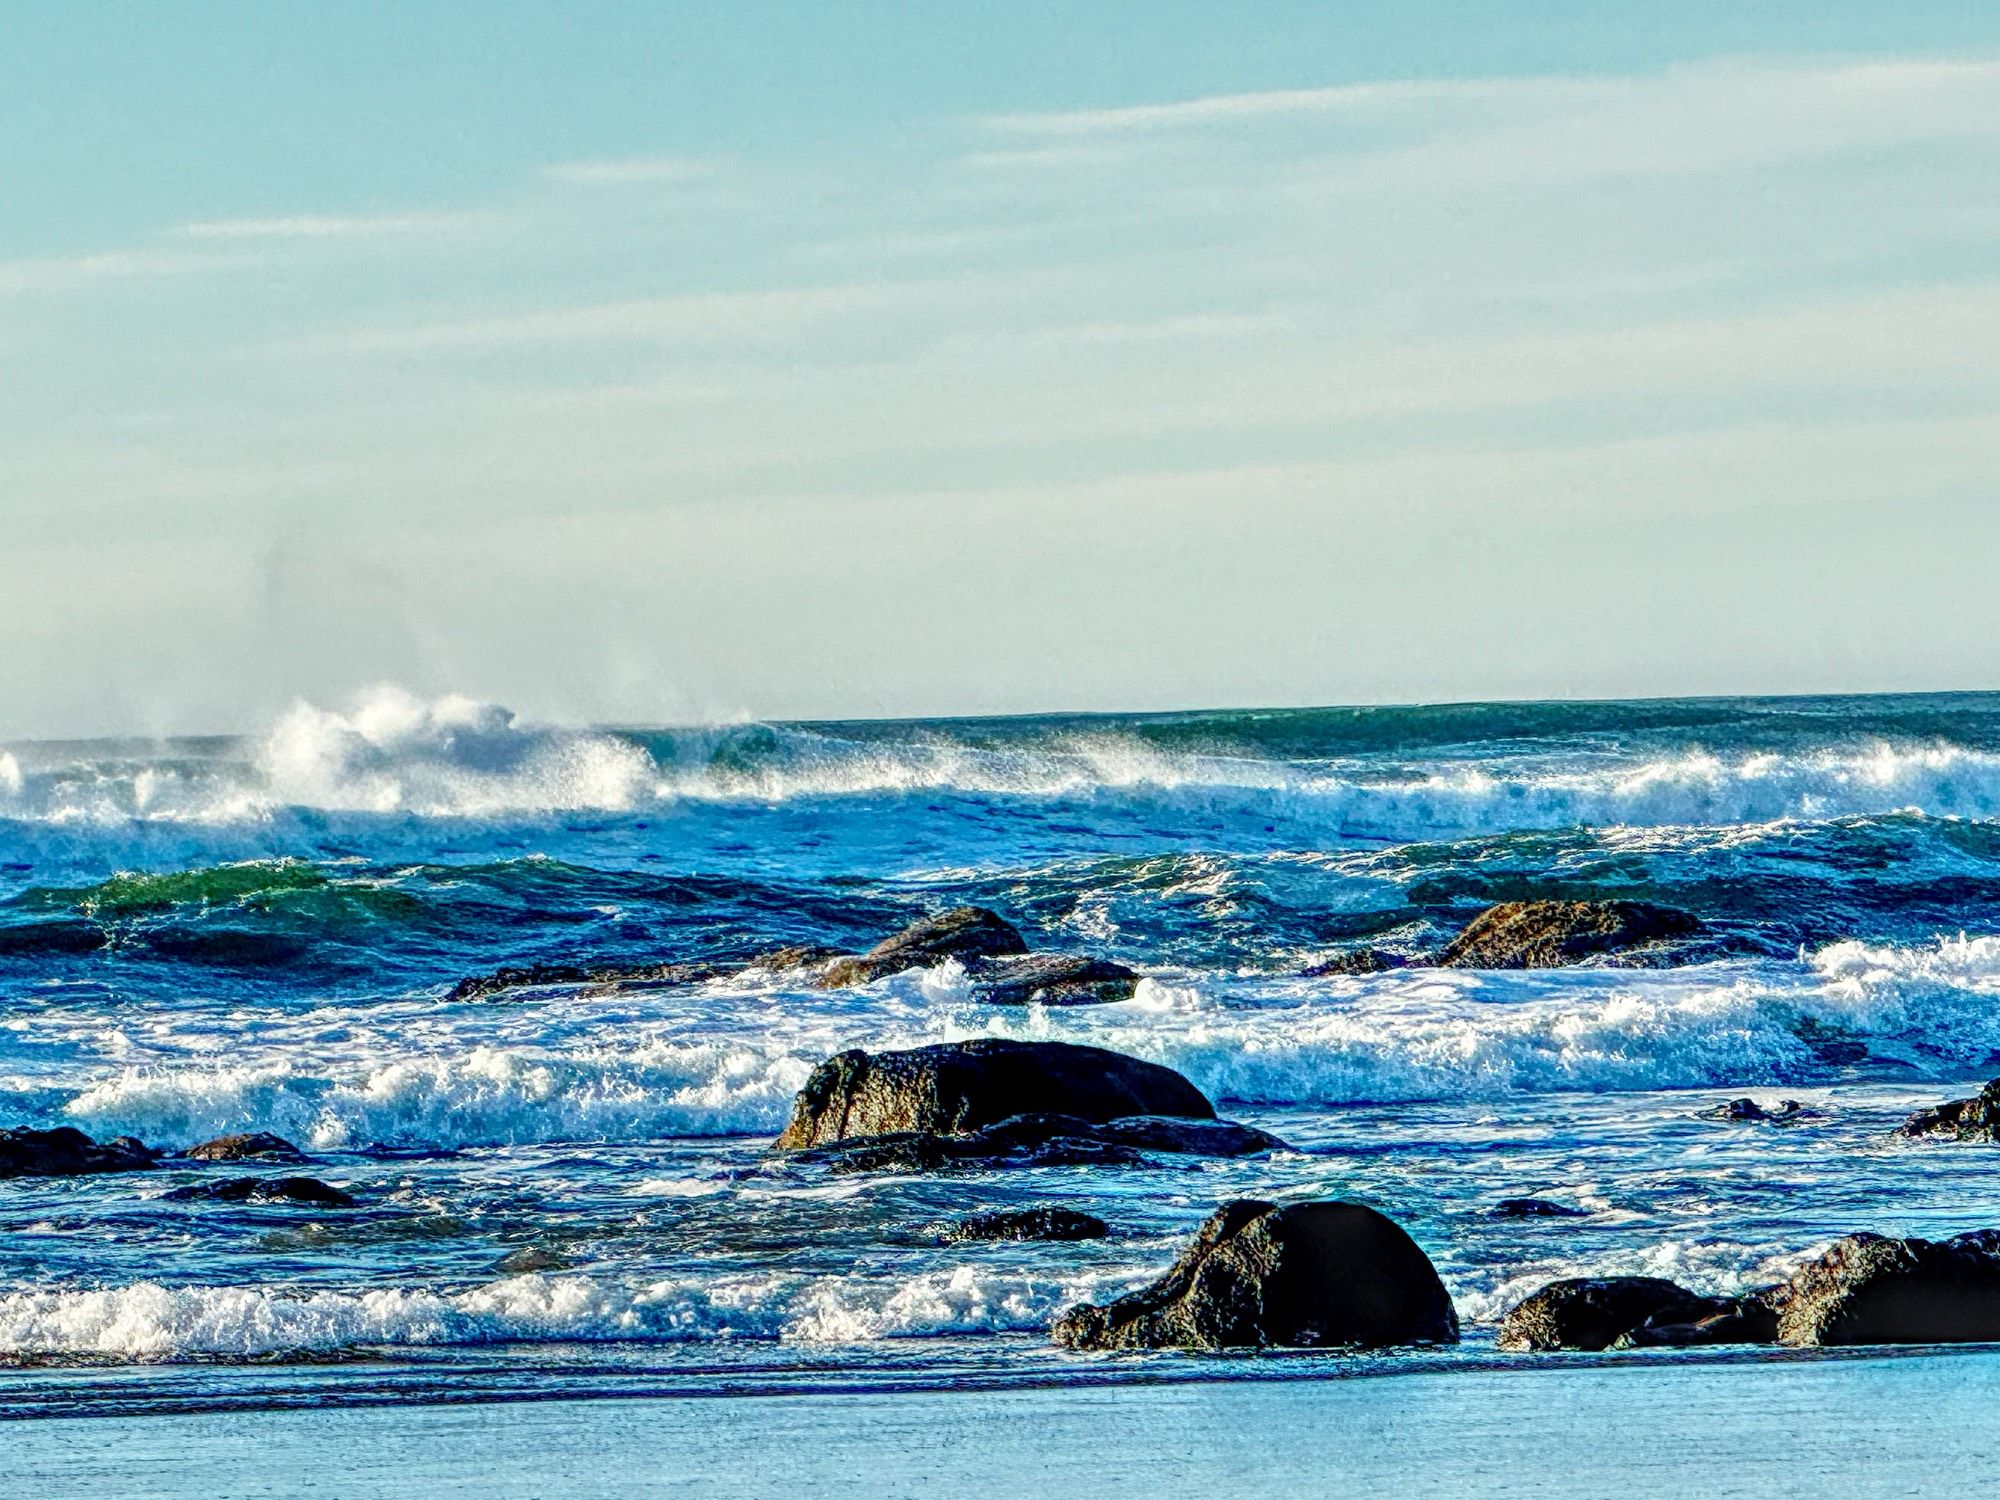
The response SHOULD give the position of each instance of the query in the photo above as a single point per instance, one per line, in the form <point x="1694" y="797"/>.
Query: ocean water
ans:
<point x="202" y="936"/>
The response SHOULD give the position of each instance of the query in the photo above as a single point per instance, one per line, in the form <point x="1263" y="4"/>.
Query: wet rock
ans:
<point x="1750" y="1112"/>
<point x="532" y="1258"/>
<point x="1595" y="1312"/>
<point x="1740" y="1320"/>
<point x="1534" y="1208"/>
<point x="794" y="957"/>
<point x="1028" y="1224"/>
<point x="1358" y="961"/>
<point x="1310" y="1275"/>
<point x="964" y="933"/>
<point x="954" y="1087"/>
<point x="309" y="1190"/>
<point x="68" y="1152"/>
<point x="638" y="976"/>
<point x="1974" y="1119"/>
<point x="251" y="1145"/>
<point x="1553" y="934"/>
<point x="1868" y="1289"/>
<point x="1043" y="1140"/>
<point x="1052" y="979"/>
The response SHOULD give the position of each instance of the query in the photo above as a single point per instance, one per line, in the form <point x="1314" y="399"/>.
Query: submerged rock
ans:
<point x="1358" y="961"/>
<point x="67" y="1152"/>
<point x="1028" y="1224"/>
<point x="1534" y="1208"/>
<point x="656" y="975"/>
<point x="1749" y="1111"/>
<point x="1051" y="979"/>
<point x="1553" y="934"/>
<point x="1310" y="1275"/>
<point x="251" y="1145"/>
<point x="1974" y="1119"/>
<point x="266" y="1190"/>
<point x="965" y="933"/>
<point x="955" y="1087"/>
<point x="1043" y="1140"/>
<point x="531" y="1258"/>
<point x="1868" y="1289"/>
<point x="1598" y="1312"/>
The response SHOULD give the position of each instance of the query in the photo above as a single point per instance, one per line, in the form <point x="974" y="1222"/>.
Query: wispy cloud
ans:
<point x="330" y="226"/>
<point x="1218" y="108"/>
<point x="632" y="170"/>
<point x="63" y="273"/>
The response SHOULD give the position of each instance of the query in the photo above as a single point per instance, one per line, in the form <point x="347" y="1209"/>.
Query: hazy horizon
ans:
<point x="648" y="372"/>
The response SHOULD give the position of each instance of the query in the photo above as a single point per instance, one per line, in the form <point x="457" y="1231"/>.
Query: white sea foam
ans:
<point x="148" y="1321"/>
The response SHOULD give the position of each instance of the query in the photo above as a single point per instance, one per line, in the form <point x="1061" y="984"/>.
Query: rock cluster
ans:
<point x="1974" y="1119"/>
<point x="68" y="1152"/>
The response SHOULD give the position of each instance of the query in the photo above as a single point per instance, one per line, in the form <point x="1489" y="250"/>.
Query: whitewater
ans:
<point x="260" y="932"/>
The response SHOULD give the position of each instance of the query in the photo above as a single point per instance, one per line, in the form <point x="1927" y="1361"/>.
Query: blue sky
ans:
<point x="641" y="362"/>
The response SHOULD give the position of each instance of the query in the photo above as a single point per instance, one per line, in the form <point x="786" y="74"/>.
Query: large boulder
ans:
<point x="68" y="1152"/>
<point x="954" y="1087"/>
<point x="309" y="1190"/>
<point x="1868" y="1289"/>
<point x="1552" y="934"/>
<point x="1974" y="1119"/>
<point x="1310" y="1275"/>
<point x="965" y="933"/>
<point x="1598" y="1312"/>
<point x="249" y="1145"/>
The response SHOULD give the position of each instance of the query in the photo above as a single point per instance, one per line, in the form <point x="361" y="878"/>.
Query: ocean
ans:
<point x="200" y="936"/>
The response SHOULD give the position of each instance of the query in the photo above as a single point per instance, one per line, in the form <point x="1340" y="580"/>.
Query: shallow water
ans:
<point x="217" y="935"/>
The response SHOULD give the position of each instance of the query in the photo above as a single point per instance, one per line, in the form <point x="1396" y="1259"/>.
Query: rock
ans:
<point x="1749" y="1111"/>
<point x="1052" y="979"/>
<point x="963" y="932"/>
<point x="1868" y="1289"/>
<point x="68" y="1152"/>
<point x="1974" y="1119"/>
<point x="1043" y="1140"/>
<point x="953" y="1087"/>
<point x="265" y="1190"/>
<point x="529" y="1258"/>
<point x="1742" y="1320"/>
<point x="1357" y="961"/>
<point x="254" y="1145"/>
<point x="1028" y="1224"/>
<point x="1552" y="934"/>
<point x="796" y="956"/>
<point x="1311" y="1275"/>
<point x="1595" y="1312"/>
<point x="613" y="976"/>
<point x="1534" y="1208"/>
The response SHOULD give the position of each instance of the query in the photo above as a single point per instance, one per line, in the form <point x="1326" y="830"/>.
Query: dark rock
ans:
<point x="265" y="1190"/>
<point x="796" y="956"/>
<point x="1028" y="1224"/>
<point x="1749" y="1111"/>
<point x="1742" y="1320"/>
<point x="254" y="1145"/>
<point x="954" y="1087"/>
<point x="1043" y="1140"/>
<point x="530" y="1258"/>
<point x="1974" y="1119"/>
<point x="1358" y="961"/>
<point x="964" y="933"/>
<point x="68" y="1152"/>
<point x="1534" y="1208"/>
<point x="1870" y="1290"/>
<point x="1552" y="934"/>
<point x="1312" y="1275"/>
<point x="1052" y="979"/>
<point x="637" y="976"/>
<point x="1594" y="1312"/>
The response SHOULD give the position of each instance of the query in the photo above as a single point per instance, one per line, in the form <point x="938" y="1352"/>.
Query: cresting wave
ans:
<point x="1927" y="1011"/>
<point x="454" y="757"/>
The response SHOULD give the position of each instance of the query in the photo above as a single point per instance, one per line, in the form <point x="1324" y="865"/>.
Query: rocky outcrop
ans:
<point x="954" y="1087"/>
<point x="309" y="1190"/>
<point x="1750" y="1112"/>
<point x="1027" y="1224"/>
<point x="68" y="1152"/>
<point x="615" y="976"/>
<point x="1868" y="1289"/>
<point x="1310" y="1275"/>
<point x="1974" y="1119"/>
<point x="1534" y="1208"/>
<point x="252" y="1145"/>
<point x="1553" y="934"/>
<point x="1043" y="1140"/>
<point x="1358" y="961"/>
<point x="966" y="933"/>
<point x="1051" y="979"/>
<point x="1603" y="1312"/>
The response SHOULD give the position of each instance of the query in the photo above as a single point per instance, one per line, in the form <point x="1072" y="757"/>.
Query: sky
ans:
<point x="643" y="363"/>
